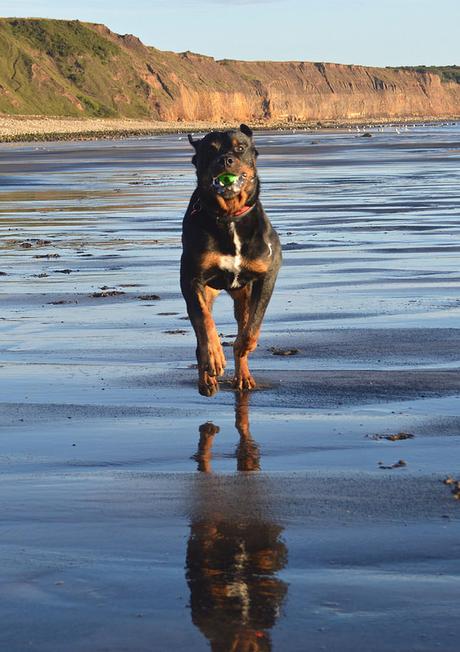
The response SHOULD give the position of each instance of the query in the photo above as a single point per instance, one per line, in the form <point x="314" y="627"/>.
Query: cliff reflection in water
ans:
<point x="234" y="549"/>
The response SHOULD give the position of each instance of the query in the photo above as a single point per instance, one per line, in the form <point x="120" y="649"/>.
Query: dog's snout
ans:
<point x="227" y="160"/>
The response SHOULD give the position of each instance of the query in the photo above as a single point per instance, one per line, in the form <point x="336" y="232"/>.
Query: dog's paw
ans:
<point x="208" y="385"/>
<point x="243" y="381"/>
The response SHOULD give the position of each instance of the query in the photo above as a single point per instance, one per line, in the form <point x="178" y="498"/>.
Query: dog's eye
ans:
<point x="239" y="149"/>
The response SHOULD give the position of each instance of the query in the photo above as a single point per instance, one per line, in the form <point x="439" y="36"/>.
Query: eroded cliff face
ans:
<point x="292" y="91"/>
<point x="71" y="68"/>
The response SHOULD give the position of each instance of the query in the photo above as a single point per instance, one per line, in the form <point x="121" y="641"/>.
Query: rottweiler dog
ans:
<point x="228" y="244"/>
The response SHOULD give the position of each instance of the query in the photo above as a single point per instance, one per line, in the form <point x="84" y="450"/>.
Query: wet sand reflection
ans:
<point x="235" y="549"/>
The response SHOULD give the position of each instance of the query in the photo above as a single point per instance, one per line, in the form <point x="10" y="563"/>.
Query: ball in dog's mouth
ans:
<point x="228" y="183"/>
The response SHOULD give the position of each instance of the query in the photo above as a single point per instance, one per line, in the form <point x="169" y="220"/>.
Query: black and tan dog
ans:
<point x="228" y="244"/>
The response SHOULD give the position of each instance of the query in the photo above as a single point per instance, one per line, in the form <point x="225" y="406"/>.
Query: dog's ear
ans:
<point x="246" y="130"/>
<point x="193" y="143"/>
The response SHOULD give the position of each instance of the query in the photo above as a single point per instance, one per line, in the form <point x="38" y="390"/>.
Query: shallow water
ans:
<point x="132" y="524"/>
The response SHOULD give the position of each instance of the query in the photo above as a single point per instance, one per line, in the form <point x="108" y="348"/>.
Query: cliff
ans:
<point x="69" y="68"/>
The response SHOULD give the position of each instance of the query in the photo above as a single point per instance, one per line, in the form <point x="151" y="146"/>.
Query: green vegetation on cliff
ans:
<point x="447" y="73"/>
<point x="56" y="67"/>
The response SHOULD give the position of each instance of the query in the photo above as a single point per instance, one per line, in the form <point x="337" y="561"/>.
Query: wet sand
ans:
<point x="138" y="515"/>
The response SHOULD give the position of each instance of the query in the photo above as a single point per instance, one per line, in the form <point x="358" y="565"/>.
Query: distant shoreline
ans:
<point x="14" y="129"/>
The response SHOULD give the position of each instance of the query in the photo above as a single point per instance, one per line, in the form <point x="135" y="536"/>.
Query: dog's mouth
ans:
<point x="228" y="184"/>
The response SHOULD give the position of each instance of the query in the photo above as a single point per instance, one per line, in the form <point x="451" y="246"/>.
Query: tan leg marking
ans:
<point x="212" y="358"/>
<point x="256" y="265"/>
<point x="244" y="343"/>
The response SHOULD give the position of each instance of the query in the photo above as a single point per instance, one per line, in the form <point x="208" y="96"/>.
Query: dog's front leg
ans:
<point x="209" y="353"/>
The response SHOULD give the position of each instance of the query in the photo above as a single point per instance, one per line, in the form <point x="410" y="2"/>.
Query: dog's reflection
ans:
<point x="235" y="548"/>
<point x="247" y="451"/>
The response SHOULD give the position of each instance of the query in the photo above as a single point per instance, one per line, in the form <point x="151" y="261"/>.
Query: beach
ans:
<point x="39" y="128"/>
<point x="309" y="514"/>
<point x="24" y="128"/>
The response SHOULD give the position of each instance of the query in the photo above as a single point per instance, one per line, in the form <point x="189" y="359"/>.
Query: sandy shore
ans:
<point x="36" y="128"/>
<point x="139" y="515"/>
<point x="44" y="128"/>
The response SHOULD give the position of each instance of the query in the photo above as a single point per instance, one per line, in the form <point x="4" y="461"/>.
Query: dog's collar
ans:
<point x="196" y="208"/>
<point x="242" y="211"/>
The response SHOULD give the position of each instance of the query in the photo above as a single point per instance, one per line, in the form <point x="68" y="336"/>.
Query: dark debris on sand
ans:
<point x="400" y="436"/>
<point x="107" y="293"/>
<point x="278" y="351"/>
<point x="397" y="465"/>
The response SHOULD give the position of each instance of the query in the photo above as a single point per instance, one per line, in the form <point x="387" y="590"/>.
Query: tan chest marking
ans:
<point x="234" y="264"/>
<point x="226" y="263"/>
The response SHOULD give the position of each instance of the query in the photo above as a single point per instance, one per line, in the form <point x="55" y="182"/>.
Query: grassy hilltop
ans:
<point x="69" y="68"/>
<point x="446" y="73"/>
<point x="56" y="67"/>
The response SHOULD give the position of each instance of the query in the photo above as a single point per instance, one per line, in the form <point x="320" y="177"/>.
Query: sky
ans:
<point x="375" y="33"/>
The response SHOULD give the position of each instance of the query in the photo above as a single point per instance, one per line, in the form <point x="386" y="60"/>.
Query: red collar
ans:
<point x="242" y="211"/>
<point x="197" y="208"/>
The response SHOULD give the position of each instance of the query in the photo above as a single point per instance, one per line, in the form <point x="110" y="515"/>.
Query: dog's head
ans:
<point x="225" y="164"/>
